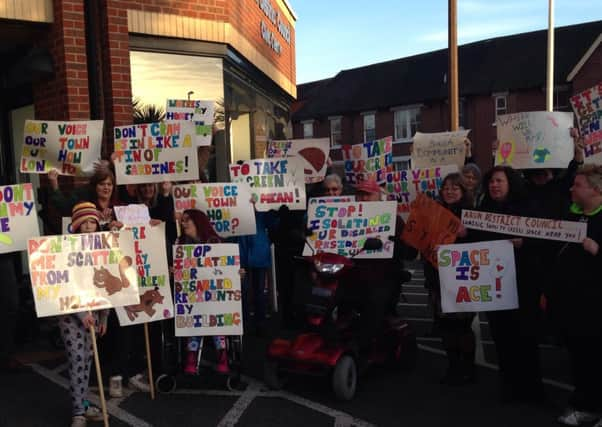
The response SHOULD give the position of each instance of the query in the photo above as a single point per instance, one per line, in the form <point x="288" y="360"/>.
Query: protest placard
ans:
<point x="69" y="147"/>
<point x="428" y="226"/>
<point x="201" y="113"/>
<point x="368" y="161"/>
<point x="342" y="228"/>
<point x="405" y="185"/>
<point x="332" y="199"/>
<point x="587" y="105"/>
<point x="208" y="298"/>
<point x="228" y="206"/>
<point x="313" y="152"/>
<point x="437" y="149"/>
<point x="539" y="228"/>
<point x="18" y="217"/>
<point x="534" y="140"/>
<point x="81" y="272"/>
<point x="273" y="182"/>
<point x="155" y="152"/>
<point x="477" y="277"/>
<point x="152" y="273"/>
<point x="135" y="214"/>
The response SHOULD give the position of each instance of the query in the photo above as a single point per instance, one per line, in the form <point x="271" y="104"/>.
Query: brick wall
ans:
<point x="590" y="74"/>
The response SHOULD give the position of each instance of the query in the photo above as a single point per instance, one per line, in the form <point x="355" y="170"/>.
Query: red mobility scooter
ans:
<point x="329" y="344"/>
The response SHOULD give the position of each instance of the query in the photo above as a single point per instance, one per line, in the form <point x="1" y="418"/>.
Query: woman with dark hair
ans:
<point x="455" y="328"/>
<point x="514" y="331"/>
<point x="101" y="191"/>
<point x="195" y="229"/>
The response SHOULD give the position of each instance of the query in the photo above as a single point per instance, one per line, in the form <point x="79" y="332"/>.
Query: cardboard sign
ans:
<point x="313" y="152"/>
<point x="405" y="185"/>
<point x="137" y="214"/>
<point x="155" y="152"/>
<point x="435" y="149"/>
<point x="81" y="272"/>
<point x="18" y="217"/>
<point x="428" y="226"/>
<point x="342" y="228"/>
<point x="152" y="273"/>
<point x="69" y="147"/>
<point x="201" y="113"/>
<point x="228" y="206"/>
<point x="207" y="294"/>
<point x="534" y="140"/>
<point x="332" y="199"/>
<point x="273" y="182"/>
<point x="368" y="161"/>
<point x="477" y="277"/>
<point x="539" y="228"/>
<point x="587" y="105"/>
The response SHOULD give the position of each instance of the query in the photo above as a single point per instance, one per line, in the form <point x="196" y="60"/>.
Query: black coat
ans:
<point x="576" y="292"/>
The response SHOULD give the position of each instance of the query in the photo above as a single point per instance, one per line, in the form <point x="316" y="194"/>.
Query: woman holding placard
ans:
<point x="514" y="331"/>
<point x="455" y="328"/>
<point x="75" y="331"/>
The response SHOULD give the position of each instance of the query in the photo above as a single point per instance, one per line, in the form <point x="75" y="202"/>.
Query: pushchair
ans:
<point x="172" y="372"/>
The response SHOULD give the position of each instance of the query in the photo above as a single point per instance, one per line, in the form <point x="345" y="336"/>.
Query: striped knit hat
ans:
<point x="82" y="212"/>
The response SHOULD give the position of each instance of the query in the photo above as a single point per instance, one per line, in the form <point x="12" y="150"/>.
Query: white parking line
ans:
<point x="241" y="405"/>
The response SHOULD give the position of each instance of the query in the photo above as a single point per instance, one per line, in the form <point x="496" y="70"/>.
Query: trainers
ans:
<point x="222" y="362"/>
<point x="93" y="413"/>
<point x="572" y="417"/>
<point x="140" y="383"/>
<point x="115" y="389"/>
<point x="78" y="421"/>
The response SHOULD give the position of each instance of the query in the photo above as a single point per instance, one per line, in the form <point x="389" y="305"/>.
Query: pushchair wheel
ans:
<point x="165" y="384"/>
<point x="234" y="383"/>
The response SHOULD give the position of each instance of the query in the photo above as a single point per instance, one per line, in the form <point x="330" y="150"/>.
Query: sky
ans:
<point x="334" y="35"/>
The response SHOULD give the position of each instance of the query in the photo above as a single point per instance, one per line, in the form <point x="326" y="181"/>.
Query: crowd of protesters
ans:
<point x="562" y="274"/>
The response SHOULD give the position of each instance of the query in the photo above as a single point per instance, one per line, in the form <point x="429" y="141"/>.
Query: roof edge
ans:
<point x="584" y="58"/>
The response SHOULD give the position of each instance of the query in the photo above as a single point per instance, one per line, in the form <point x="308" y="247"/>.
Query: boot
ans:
<point x="190" y="365"/>
<point x="222" y="362"/>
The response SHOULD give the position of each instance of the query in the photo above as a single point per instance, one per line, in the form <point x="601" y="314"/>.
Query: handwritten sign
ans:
<point x="405" y="185"/>
<point x="273" y="182"/>
<point x="539" y="228"/>
<point x="152" y="274"/>
<point x="132" y="214"/>
<point x="313" y="152"/>
<point x="228" y="206"/>
<point x="82" y="272"/>
<point x="428" y="226"/>
<point x="477" y="277"/>
<point x="199" y="112"/>
<point x="155" y="152"/>
<point x="332" y="199"/>
<point x="534" y="140"/>
<point x="370" y="160"/>
<point x="18" y="217"/>
<point x="443" y="148"/>
<point x="69" y="147"/>
<point x="208" y="298"/>
<point x="587" y="105"/>
<point x="342" y="228"/>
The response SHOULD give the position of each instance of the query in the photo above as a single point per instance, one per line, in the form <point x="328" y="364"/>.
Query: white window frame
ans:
<point x="308" y="122"/>
<point x="398" y="159"/>
<point x="332" y="120"/>
<point x="365" y="115"/>
<point x="408" y="122"/>
<point x="496" y="96"/>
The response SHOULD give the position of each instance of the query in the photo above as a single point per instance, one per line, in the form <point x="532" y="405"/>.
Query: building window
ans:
<point x="407" y="123"/>
<point x="308" y="129"/>
<point x="401" y="163"/>
<point x="336" y="133"/>
<point x="501" y="105"/>
<point x="369" y="127"/>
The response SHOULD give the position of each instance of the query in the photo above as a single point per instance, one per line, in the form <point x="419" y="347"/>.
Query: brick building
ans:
<point x="88" y="59"/>
<point x="397" y="98"/>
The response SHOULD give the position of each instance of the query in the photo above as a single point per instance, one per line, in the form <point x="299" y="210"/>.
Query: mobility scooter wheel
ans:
<point x="165" y="383"/>
<point x="271" y="377"/>
<point x="344" y="378"/>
